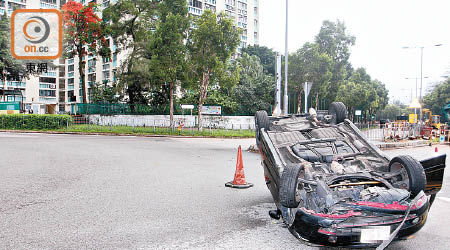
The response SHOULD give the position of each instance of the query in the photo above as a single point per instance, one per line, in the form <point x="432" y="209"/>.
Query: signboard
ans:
<point x="442" y="138"/>
<point x="187" y="106"/>
<point x="9" y="108"/>
<point x="402" y="118"/>
<point x="412" y="118"/>
<point x="358" y="112"/>
<point x="211" y="110"/>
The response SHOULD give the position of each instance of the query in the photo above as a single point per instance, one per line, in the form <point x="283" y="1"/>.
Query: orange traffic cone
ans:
<point x="435" y="149"/>
<point x="239" y="176"/>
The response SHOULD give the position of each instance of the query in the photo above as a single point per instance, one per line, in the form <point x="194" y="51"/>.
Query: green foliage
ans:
<point x="255" y="89"/>
<point x="9" y="66"/>
<point x="391" y="112"/>
<point x="34" y="122"/>
<point x="438" y="97"/>
<point x="131" y="24"/>
<point x="360" y="92"/>
<point x="127" y="130"/>
<point x="167" y="48"/>
<point x="102" y="93"/>
<point x="265" y="55"/>
<point x="308" y="64"/>
<point x="211" y="45"/>
<point x="334" y="40"/>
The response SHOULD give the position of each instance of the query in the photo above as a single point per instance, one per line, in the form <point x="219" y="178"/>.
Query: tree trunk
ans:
<point x="317" y="100"/>
<point x="199" y="116"/>
<point x="202" y="97"/>
<point x="171" y="86"/>
<point x="299" y="102"/>
<point x="82" y="75"/>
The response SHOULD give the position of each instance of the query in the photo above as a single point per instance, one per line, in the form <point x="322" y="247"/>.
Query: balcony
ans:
<point x="195" y="11"/>
<point x="49" y="73"/>
<point x="44" y="85"/>
<point x="15" y="84"/>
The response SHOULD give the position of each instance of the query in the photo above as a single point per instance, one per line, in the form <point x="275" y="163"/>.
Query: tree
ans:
<point x="438" y="97"/>
<point x="391" y="112"/>
<point x="83" y="33"/>
<point x="211" y="44"/>
<point x="334" y="40"/>
<point x="360" y="92"/>
<point x="102" y="93"/>
<point x="308" y="64"/>
<point x="265" y="55"/>
<point x="131" y="25"/>
<point x="167" y="48"/>
<point x="255" y="88"/>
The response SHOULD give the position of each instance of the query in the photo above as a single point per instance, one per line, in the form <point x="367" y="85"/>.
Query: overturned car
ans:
<point x="333" y="187"/>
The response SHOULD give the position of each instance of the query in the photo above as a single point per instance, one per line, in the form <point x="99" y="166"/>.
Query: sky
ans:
<point x="381" y="27"/>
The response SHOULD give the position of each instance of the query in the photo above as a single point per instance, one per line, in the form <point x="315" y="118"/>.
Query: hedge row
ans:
<point x="32" y="121"/>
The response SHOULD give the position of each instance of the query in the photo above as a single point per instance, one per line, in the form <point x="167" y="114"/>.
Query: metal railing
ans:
<point x="389" y="131"/>
<point x="141" y="109"/>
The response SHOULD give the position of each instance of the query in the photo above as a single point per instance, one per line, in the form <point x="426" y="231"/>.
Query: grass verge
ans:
<point x="220" y="133"/>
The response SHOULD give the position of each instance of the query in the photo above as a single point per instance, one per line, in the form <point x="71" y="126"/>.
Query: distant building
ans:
<point x="59" y="89"/>
<point x="244" y="12"/>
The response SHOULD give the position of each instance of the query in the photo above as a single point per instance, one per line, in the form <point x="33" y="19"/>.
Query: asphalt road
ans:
<point x="106" y="192"/>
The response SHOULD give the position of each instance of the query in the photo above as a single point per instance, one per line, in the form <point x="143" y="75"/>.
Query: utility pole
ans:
<point x="277" y="110"/>
<point x="286" y="55"/>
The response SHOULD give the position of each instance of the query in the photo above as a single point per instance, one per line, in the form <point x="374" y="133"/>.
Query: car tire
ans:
<point x="415" y="173"/>
<point x="338" y="111"/>
<point x="261" y="121"/>
<point x="289" y="196"/>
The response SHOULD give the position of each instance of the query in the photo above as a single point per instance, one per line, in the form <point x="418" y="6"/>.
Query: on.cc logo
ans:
<point x="36" y="34"/>
<point x="39" y="26"/>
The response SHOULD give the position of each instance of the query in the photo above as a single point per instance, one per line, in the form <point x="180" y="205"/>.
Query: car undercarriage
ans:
<point x="330" y="184"/>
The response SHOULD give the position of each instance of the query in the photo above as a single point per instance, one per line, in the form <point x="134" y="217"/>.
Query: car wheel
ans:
<point x="338" y="111"/>
<point x="410" y="174"/>
<point x="289" y="188"/>
<point x="261" y="121"/>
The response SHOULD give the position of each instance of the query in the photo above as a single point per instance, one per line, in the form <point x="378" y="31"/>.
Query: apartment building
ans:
<point x="244" y="12"/>
<point x="59" y="89"/>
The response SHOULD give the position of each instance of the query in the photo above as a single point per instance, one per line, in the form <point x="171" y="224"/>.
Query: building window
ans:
<point x="45" y="92"/>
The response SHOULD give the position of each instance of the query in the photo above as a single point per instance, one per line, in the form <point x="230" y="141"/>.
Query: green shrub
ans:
<point x="32" y="121"/>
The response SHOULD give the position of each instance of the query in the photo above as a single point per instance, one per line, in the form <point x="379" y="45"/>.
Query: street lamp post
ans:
<point x="415" y="78"/>
<point x="286" y="55"/>
<point x="421" y="69"/>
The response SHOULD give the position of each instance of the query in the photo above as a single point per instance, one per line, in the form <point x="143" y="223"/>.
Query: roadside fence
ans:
<point x="389" y="131"/>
